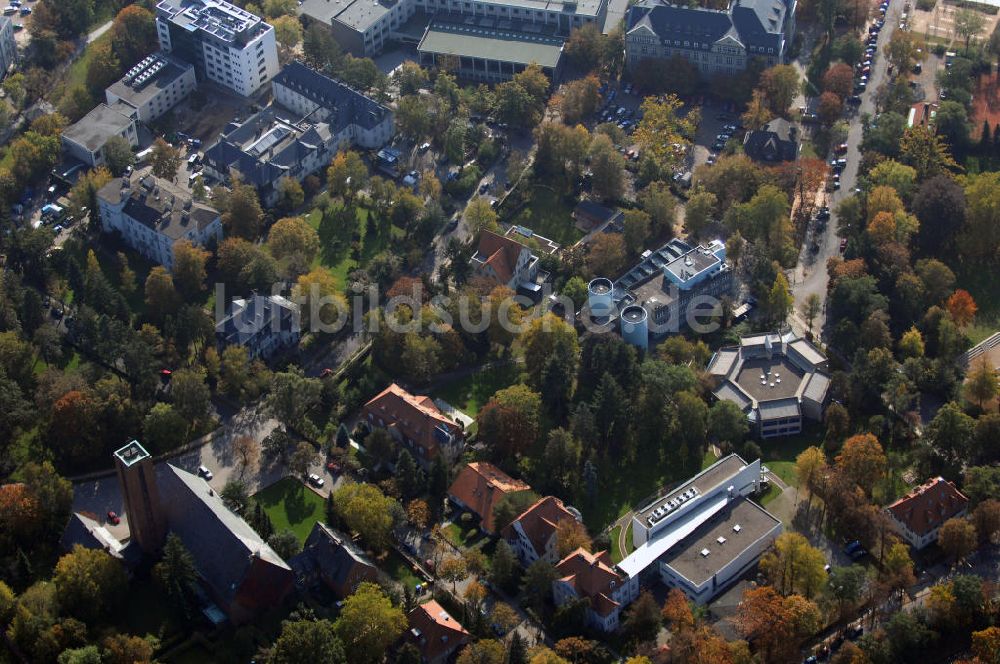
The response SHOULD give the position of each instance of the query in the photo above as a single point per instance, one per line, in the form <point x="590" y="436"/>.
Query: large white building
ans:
<point x="153" y="86"/>
<point x="312" y="118"/>
<point x="151" y="215"/>
<point x="226" y="44"/>
<point x="702" y="536"/>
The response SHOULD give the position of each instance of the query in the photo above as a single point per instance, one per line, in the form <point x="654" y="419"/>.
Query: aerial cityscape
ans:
<point x="500" y="331"/>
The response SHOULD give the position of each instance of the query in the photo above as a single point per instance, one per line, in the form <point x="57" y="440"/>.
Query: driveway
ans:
<point x="810" y="274"/>
<point x="104" y="494"/>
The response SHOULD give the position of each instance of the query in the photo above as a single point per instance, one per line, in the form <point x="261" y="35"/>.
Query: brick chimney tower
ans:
<point x="137" y="477"/>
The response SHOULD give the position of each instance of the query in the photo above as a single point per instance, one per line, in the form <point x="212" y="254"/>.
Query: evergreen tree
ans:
<point x="409" y="478"/>
<point x="518" y="653"/>
<point x="985" y="141"/>
<point x="343" y="437"/>
<point x="331" y="513"/>
<point x="503" y="570"/>
<point x="439" y="480"/>
<point x="556" y="385"/>
<point x="996" y="140"/>
<point x="590" y="479"/>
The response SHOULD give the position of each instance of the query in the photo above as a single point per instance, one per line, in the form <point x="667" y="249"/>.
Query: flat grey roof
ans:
<point x="686" y="557"/>
<point x="729" y="391"/>
<point x="473" y="41"/>
<point x="95" y="128"/>
<point x="705" y="481"/>
<point x="808" y="351"/>
<point x="776" y="410"/>
<point x="723" y="360"/>
<point x="789" y="375"/>
<point x="817" y="387"/>
<point x="173" y="70"/>
<point x="691" y="264"/>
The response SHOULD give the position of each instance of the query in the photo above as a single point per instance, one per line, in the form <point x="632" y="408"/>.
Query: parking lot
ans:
<point x="716" y="121"/>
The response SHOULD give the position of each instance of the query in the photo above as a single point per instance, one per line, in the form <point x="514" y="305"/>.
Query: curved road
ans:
<point x="810" y="274"/>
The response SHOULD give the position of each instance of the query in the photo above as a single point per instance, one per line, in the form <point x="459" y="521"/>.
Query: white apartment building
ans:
<point x="153" y="86"/>
<point x="226" y="44"/>
<point x="151" y="215"/>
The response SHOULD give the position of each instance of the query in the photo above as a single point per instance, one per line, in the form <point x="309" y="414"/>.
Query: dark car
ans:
<point x="823" y="214"/>
<point x="452" y="225"/>
<point x="854" y="100"/>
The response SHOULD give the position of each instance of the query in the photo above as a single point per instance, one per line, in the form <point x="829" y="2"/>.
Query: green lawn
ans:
<point x="336" y="238"/>
<point x="291" y="506"/>
<point x="708" y="459"/>
<point x="616" y="552"/>
<point x="772" y="492"/>
<point x="399" y="569"/>
<point x="780" y="454"/>
<point x="471" y="393"/>
<point x="76" y="74"/>
<point x="985" y="290"/>
<point x="548" y="214"/>
<point x="620" y="492"/>
<point x="462" y="538"/>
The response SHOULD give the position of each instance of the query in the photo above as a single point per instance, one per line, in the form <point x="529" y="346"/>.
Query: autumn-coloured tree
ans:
<point x="510" y="419"/>
<point x="607" y="254"/>
<point x="862" y="461"/>
<point x="453" y="569"/>
<point x="504" y="617"/>
<point x="189" y="268"/>
<point x="347" y="174"/>
<point x="475" y="593"/>
<point x="570" y="536"/>
<point x="986" y="645"/>
<point x="986" y="518"/>
<point x="133" y="34"/>
<point x="839" y="79"/>
<point x="243" y="216"/>
<point x="830" y="108"/>
<point x="247" y="451"/>
<point x="794" y="566"/>
<point x="780" y="84"/>
<point x="677" y="611"/>
<point x="957" y="538"/>
<point x="776" y="625"/>
<point x="166" y="159"/>
<point x="981" y="385"/>
<point x="418" y="514"/>
<point x="809" y="464"/>
<point x="962" y="307"/>
<point x="757" y="114"/>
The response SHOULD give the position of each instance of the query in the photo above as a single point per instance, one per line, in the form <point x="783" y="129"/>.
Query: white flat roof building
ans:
<point x="226" y="44"/>
<point x="703" y="535"/>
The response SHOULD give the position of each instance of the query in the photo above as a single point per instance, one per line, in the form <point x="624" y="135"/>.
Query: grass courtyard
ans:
<point x="337" y="236"/>
<point x="548" y="214"/>
<point x="291" y="506"/>
<point x="470" y="393"/>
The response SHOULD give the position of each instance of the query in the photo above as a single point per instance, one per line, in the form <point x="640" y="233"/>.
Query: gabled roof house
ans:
<point x="480" y="487"/>
<point x="918" y="516"/>
<point x="532" y="535"/>
<point x="504" y="260"/>
<point x="332" y="558"/>
<point x="591" y="575"/>
<point x="435" y="633"/>
<point x="416" y="422"/>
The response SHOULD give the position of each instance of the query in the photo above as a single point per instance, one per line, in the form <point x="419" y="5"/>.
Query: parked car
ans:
<point x="113" y="518"/>
<point x="316" y="480"/>
<point x="205" y="473"/>
<point x="823" y="214"/>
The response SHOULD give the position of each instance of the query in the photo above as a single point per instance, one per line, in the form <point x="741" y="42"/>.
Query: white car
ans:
<point x="316" y="480"/>
<point x="205" y="472"/>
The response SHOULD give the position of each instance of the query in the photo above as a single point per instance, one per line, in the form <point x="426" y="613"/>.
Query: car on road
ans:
<point x="710" y="160"/>
<point x="57" y="229"/>
<point x="823" y="214"/>
<point x="333" y="467"/>
<point x="113" y="518"/>
<point x="205" y="473"/>
<point x="484" y="187"/>
<point x="316" y="480"/>
<point x="854" y="100"/>
<point x="840" y="149"/>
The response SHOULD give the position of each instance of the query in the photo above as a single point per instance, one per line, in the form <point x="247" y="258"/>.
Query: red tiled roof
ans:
<point x="480" y="486"/>
<point x="592" y="576"/>
<point x="437" y="633"/>
<point x="540" y="522"/>
<point x="415" y="417"/>
<point x="500" y="253"/>
<point x="928" y="506"/>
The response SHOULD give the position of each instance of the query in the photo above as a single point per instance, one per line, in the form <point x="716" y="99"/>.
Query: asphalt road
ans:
<point x="810" y="274"/>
